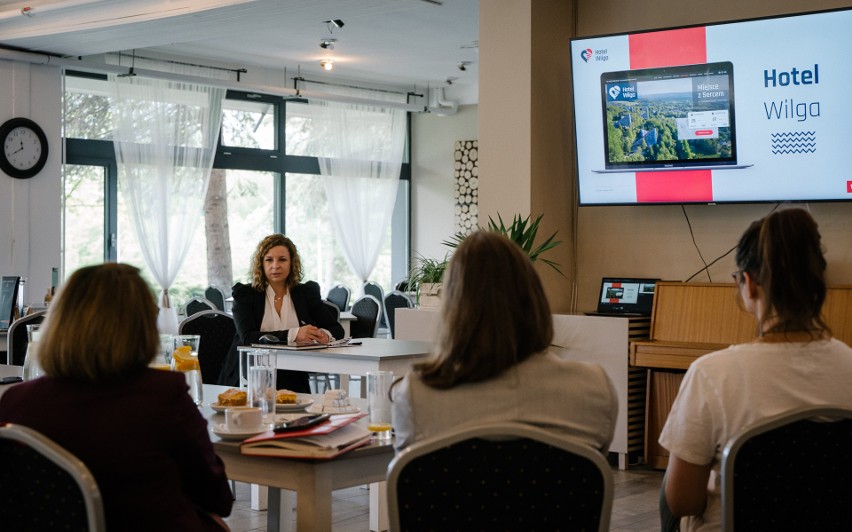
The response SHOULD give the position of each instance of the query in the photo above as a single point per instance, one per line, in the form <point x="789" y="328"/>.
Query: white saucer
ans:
<point x="319" y="409"/>
<point x="294" y="407"/>
<point x="220" y="408"/>
<point x="222" y="430"/>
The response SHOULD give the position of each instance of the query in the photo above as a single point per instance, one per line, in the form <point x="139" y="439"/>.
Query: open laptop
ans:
<point x="648" y="113"/>
<point x="625" y="297"/>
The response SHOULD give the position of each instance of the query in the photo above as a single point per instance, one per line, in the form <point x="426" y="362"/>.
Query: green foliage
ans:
<point x="522" y="232"/>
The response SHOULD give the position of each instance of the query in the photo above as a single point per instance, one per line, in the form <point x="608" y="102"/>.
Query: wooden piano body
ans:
<point x="693" y="319"/>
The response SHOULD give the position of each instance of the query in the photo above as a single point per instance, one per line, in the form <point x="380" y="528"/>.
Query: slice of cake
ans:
<point x="232" y="397"/>
<point x="286" y="397"/>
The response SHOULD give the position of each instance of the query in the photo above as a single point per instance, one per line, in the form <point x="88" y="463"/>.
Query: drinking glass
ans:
<point x="261" y="382"/>
<point x="32" y="369"/>
<point x="185" y="360"/>
<point x="378" y="395"/>
<point x="166" y="348"/>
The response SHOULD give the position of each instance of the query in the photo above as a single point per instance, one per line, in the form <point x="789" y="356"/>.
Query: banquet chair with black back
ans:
<point x="501" y="476"/>
<point x="339" y="295"/>
<point x="792" y="471"/>
<point x="394" y="300"/>
<point x="368" y="312"/>
<point x="197" y="304"/>
<point x="17" y="339"/>
<point x="217" y="330"/>
<point x="372" y="288"/>
<point x="216" y="296"/>
<point x="44" y="487"/>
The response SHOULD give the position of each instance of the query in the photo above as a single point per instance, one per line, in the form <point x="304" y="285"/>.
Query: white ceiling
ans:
<point x="404" y="43"/>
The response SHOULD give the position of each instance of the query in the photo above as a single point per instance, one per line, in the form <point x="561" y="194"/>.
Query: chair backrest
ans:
<point x="339" y="295"/>
<point x="217" y="330"/>
<point x="216" y="296"/>
<point x="334" y="309"/>
<point x="44" y="487"/>
<point x="372" y="288"/>
<point x="506" y="476"/>
<point x="368" y="311"/>
<point x="394" y="300"/>
<point x="197" y="304"/>
<point x="17" y="339"/>
<point x="790" y="472"/>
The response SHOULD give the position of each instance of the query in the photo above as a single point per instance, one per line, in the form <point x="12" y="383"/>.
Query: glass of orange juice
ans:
<point x="185" y="360"/>
<point x="378" y="389"/>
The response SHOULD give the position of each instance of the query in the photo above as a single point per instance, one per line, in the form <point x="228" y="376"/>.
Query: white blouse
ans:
<point x="286" y="320"/>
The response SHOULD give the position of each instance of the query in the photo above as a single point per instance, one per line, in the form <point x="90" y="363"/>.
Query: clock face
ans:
<point x="24" y="151"/>
<point x="22" y="148"/>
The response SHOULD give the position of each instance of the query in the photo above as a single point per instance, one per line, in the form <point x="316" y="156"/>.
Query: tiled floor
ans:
<point x="634" y="509"/>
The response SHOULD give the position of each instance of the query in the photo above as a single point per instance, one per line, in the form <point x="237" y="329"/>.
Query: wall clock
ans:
<point x="24" y="151"/>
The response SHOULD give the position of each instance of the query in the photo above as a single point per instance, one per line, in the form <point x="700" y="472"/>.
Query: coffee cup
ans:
<point x="243" y="418"/>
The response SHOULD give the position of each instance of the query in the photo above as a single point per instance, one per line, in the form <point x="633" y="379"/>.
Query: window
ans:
<point x="269" y="186"/>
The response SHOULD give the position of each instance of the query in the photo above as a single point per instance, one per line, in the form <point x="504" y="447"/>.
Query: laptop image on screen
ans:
<point x="672" y="118"/>
<point x="625" y="297"/>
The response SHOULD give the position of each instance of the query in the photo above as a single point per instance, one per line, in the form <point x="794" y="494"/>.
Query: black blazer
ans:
<point x="248" y="308"/>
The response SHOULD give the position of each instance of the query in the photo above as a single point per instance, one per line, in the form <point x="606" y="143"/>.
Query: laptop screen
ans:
<point x="626" y="296"/>
<point x="669" y="117"/>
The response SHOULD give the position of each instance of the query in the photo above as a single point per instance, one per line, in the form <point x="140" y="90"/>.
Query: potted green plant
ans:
<point x="425" y="279"/>
<point x="522" y="232"/>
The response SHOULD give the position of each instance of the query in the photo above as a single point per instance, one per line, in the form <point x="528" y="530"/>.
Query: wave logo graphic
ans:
<point x="793" y="142"/>
<point x="586" y="54"/>
<point x="614" y="91"/>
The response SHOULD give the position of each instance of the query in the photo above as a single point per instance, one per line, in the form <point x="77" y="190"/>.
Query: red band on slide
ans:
<point x="685" y="46"/>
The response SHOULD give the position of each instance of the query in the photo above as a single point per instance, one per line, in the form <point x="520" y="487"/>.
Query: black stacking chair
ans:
<point x="216" y="296"/>
<point x="339" y="295"/>
<point x="368" y="310"/>
<point x="394" y="300"/>
<point x="44" y="487"/>
<point x="217" y="330"/>
<point x="505" y="476"/>
<point x="790" y="472"/>
<point x="197" y="304"/>
<point x="372" y="288"/>
<point x="17" y="339"/>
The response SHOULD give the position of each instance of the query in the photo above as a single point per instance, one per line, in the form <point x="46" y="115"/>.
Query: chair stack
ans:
<point x="197" y="304"/>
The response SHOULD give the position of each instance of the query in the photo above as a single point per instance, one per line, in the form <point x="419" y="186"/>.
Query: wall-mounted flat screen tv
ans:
<point x="740" y="112"/>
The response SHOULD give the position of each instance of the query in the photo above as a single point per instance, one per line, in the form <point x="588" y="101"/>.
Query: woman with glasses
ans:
<point x="793" y="362"/>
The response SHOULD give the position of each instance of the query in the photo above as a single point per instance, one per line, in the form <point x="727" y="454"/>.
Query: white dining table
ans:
<point x="311" y="481"/>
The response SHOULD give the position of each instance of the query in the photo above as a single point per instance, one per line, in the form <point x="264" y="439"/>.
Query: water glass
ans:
<point x="185" y="360"/>
<point x="166" y="348"/>
<point x="32" y="368"/>
<point x="261" y="382"/>
<point x="378" y="395"/>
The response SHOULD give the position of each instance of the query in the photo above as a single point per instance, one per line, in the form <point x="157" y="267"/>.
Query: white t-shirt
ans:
<point x="726" y="391"/>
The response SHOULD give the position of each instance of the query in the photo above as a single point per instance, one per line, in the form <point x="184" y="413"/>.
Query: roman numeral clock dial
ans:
<point x="24" y="151"/>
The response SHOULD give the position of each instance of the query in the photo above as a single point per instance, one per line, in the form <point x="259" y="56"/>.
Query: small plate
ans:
<point x="294" y="407"/>
<point x="319" y="409"/>
<point x="220" y="408"/>
<point x="222" y="430"/>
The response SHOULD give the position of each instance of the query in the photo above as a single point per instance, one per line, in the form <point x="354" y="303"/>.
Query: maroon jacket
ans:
<point x="143" y="439"/>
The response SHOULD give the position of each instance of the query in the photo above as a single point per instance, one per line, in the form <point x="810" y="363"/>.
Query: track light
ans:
<point x="463" y="65"/>
<point x="327" y="44"/>
<point x="327" y="64"/>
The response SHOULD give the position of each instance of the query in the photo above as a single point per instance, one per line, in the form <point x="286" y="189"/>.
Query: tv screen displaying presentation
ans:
<point x="740" y="112"/>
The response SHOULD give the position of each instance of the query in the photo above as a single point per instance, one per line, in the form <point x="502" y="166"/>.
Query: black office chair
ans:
<point x="339" y="295"/>
<point x="368" y="311"/>
<point x="504" y="476"/>
<point x="217" y="331"/>
<point x="790" y="472"/>
<point x="44" y="487"/>
<point x="394" y="300"/>
<point x="372" y="288"/>
<point x="17" y="339"/>
<point x="216" y="296"/>
<point x="197" y="304"/>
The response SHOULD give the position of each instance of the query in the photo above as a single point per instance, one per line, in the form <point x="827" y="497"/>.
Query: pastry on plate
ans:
<point x="232" y="397"/>
<point x="286" y="397"/>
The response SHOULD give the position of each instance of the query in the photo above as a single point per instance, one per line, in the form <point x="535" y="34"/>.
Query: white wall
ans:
<point x="432" y="200"/>
<point x="30" y="209"/>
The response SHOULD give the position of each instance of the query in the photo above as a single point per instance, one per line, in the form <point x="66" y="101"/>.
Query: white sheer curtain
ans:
<point x="362" y="148"/>
<point x="165" y="138"/>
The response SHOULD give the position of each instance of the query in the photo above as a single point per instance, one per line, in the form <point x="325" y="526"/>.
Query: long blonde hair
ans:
<point x="101" y="326"/>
